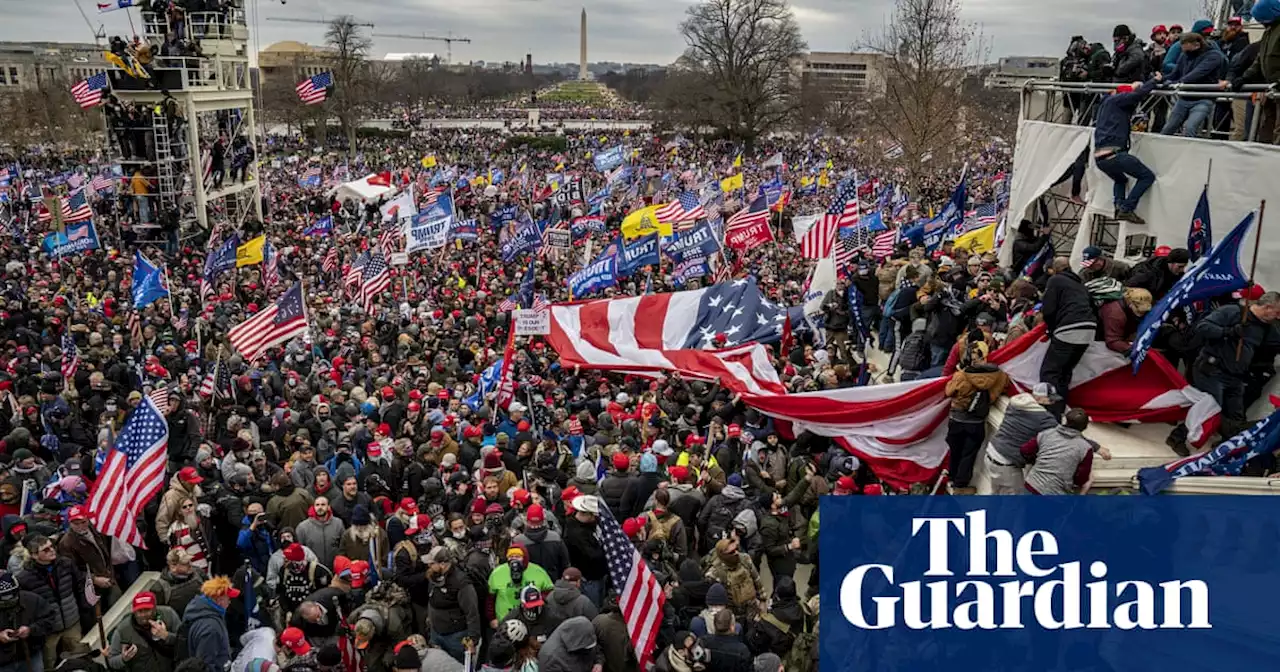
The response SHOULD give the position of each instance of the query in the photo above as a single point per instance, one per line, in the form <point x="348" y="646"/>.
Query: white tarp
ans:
<point x="1244" y="173"/>
<point x="360" y="190"/>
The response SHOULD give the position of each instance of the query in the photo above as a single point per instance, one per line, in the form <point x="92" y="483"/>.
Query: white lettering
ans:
<point x="913" y="606"/>
<point x="938" y="563"/>
<point x="1138" y="613"/>
<point x="979" y="612"/>
<point x="1070" y="588"/>
<point x="1199" y="593"/>
<point x="978" y="537"/>
<point x="851" y="598"/>
<point x="1027" y="552"/>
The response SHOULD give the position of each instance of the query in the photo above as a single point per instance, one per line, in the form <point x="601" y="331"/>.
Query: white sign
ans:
<point x="532" y="322"/>
<point x="559" y="239"/>
<point x="424" y="232"/>
<point x="399" y="258"/>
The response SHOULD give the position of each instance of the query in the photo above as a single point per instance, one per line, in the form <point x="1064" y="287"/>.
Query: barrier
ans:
<point x="122" y="609"/>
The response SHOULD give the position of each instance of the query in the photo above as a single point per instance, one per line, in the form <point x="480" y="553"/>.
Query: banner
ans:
<point x="1005" y="584"/>
<point x="401" y="207"/>
<point x="581" y="226"/>
<point x="748" y="237"/>
<point x="530" y="322"/>
<point x="569" y="193"/>
<point x="464" y="229"/>
<point x="427" y="230"/>
<point x="251" y="252"/>
<point x="639" y="253"/>
<point x="644" y="221"/>
<point x="593" y="278"/>
<point x="610" y="158"/>
<point x="731" y="183"/>
<point x="700" y="241"/>
<point x="559" y="239"/>
<point x="523" y="239"/>
<point x="690" y="269"/>
<point x="80" y="237"/>
<point x="504" y="214"/>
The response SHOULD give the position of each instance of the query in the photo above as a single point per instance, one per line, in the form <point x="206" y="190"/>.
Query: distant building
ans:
<point x="294" y="61"/>
<point x="1014" y="71"/>
<point x="843" y="75"/>
<point x="26" y="65"/>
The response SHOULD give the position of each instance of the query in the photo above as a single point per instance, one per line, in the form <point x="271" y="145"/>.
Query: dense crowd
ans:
<point x="354" y="499"/>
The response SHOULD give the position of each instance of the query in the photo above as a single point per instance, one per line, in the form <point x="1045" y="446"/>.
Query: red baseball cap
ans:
<point x="294" y="553"/>
<point x="294" y="640"/>
<point x="144" y="600"/>
<point x="78" y="513"/>
<point x="535" y="515"/>
<point x="408" y="504"/>
<point x="733" y="430"/>
<point x="190" y="475"/>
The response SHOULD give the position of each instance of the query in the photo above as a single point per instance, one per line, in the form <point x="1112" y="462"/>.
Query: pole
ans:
<point x="97" y="616"/>
<point x="1253" y="267"/>
<point x="26" y="653"/>
<point x="131" y="28"/>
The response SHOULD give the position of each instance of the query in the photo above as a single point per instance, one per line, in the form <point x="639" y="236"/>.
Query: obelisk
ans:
<point x="582" y="53"/>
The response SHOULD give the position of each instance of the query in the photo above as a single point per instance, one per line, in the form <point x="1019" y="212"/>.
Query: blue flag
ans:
<point x="250" y="601"/>
<point x="700" y="241"/>
<point x="321" y="227"/>
<point x="1216" y="274"/>
<point x="609" y="159"/>
<point x="488" y="380"/>
<point x="1036" y="263"/>
<point x="80" y="237"/>
<point x="947" y="223"/>
<point x="640" y="252"/>
<point x="1200" y="235"/>
<point x="527" y="237"/>
<point x="1225" y="460"/>
<point x="855" y="312"/>
<point x="594" y="277"/>
<point x="524" y="295"/>
<point x="222" y="259"/>
<point x="148" y="282"/>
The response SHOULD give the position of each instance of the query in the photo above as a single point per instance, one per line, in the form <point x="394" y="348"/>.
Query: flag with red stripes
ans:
<point x="133" y="471"/>
<point x="639" y="596"/>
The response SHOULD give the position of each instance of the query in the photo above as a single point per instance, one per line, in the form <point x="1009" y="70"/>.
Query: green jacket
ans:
<point x="507" y="594"/>
<point x="152" y="656"/>
<point x="1266" y="68"/>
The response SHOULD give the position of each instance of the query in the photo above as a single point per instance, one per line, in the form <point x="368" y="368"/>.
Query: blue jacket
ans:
<point x="1112" y="127"/>
<point x="256" y="545"/>
<point x="1175" y="50"/>
<point x="207" y="637"/>
<point x="1207" y="66"/>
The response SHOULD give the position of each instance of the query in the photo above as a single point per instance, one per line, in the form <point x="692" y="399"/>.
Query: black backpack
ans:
<point x="980" y="404"/>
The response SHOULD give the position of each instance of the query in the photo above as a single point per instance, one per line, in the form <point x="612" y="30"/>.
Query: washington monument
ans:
<point x="582" y="53"/>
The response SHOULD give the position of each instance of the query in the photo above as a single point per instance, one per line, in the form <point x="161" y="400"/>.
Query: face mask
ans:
<point x="460" y="535"/>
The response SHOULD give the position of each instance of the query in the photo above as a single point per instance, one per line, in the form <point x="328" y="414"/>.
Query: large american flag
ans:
<point x="351" y="277"/>
<point x="754" y="213"/>
<point x="883" y="244"/>
<point x="277" y="323"/>
<point x="639" y="596"/>
<point x="982" y="215"/>
<point x="75" y="208"/>
<point x="70" y="357"/>
<point x="686" y="209"/>
<point x="375" y="279"/>
<point x="88" y="93"/>
<point x="819" y="241"/>
<point x="313" y="90"/>
<point x="675" y="332"/>
<point x="133" y="471"/>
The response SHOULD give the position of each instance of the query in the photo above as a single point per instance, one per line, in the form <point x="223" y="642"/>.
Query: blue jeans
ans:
<point x="37" y="663"/>
<point x="1189" y="115"/>
<point x="1120" y="167"/>
<point x="452" y="644"/>
<point x="144" y="210"/>
<point x="594" y="590"/>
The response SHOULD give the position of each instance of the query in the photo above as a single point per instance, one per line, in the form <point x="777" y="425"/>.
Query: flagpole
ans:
<point x="1253" y="267"/>
<point x="167" y="286"/>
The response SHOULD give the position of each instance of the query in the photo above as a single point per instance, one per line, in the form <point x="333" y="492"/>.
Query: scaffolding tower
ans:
<point x="188" y="105"/>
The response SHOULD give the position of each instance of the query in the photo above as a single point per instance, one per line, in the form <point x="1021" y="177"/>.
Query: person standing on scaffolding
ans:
<point x="1111" y="138"/>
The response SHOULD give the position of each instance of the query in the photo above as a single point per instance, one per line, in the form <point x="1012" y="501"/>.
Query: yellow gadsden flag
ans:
<point x="643" y="222"/>
<point x="728" y="184"/>
<point x="251" y="252"/>
<point x="978" y="241"/>
<point x="429" y="161"/>
<point x="737" y="161"/>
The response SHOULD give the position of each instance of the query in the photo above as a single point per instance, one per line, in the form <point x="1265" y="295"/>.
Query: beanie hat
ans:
<point x="294" y="553"/>
<point x="493" y="460"/>
<point x="478" y="505"/>
<point x="766" y="662"/>
<point x="735" y="480"/>
<point x="329" y="656"/>
<point x="1121" y="31"/>
<point x="648" y="464"/>
<point x="407" y="659"/>
<point x="360" y="516"/>
<point x="621" y="462"/>
<point x="1179" y="256"/>
<point x="8" y="586"/>
<point x="717" y="596"/>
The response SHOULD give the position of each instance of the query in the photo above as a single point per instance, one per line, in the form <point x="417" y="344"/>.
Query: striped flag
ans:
<point x="351" y="277"/>
<point x="70" y="357"/>
<point x="102" y="183"/>
<point x="639" y="596"/>
<point x="846" y="251"/>
<point x="374" y="280"/>
<point x="818" y="242"/>
<point x="135" y="327"/>
<point x="279" y="322"/>
<point x="389" y="239"/>
<point x="133" y="471"/>
<point x="330" y="262"/>
<point x="882" y="246"/>
<point x="314" y="90"/>
<point x="88" y="93"/>
<point x="75" y="208"/>
<point x="270" y="265"/>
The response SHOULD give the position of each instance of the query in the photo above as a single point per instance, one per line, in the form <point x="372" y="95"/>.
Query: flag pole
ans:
<point x="1253" y="267"/>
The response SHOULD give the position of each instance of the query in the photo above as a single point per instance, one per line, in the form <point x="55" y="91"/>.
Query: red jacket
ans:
<point x="1119" y="325"/>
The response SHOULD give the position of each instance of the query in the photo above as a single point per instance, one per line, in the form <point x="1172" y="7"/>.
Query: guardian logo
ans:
<point x="1008" y="581"/>
<point x="1048" y="584"/>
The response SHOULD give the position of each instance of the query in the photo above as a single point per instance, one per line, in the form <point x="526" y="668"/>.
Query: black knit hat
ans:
<point x="407" y="659"/>
<point x="8" y="587"/>
<point x="1121" y="31"/>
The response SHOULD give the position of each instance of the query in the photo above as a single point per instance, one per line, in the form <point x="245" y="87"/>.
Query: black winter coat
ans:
<point x="59" y="584"/>
<point x="34" y="612"/>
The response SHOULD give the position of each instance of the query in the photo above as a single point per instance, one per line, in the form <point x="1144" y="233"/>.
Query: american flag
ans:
<point x="102" y="183"/>
<point x="313" y="90"/>
<point x="70" y="357"/>
<point x="846" y="251"/>
<point x="430" y="196"/>
<point x="88" y="93"/>
<point x="133" y="471"/>
<point x="674" y="332"/>
<point x="75" y="208"/>
<point x="217" y="383"/>
<point x="180" y="322"/>
<point x="375" y="279"/>
<point x="270" y="265"/>
<point x="279" y="322"/>
<point x="882" y="246"/>
<point x="135" y="327"/>
<point x="351" y="278"/>
<point x="389" y="239"/>
<point x="311" y="176"/>
<point x="330" y="262"/>
<point x="639" y="596"/>
<point x="747" y="217"/>
<point x="983" y="215"/>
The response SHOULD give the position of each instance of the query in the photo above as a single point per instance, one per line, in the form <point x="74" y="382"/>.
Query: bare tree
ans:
<point x="742" y="51"/>
<point x="926" y="48"/>
<point x="350" y="71"/>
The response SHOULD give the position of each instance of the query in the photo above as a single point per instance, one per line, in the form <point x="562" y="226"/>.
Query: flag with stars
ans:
<point x="277" y="323"/>
<point x="639" y="596"/>
<point x="70" y="357"/>
<point x="133" y="471"/>
<point x="708" y="333"/>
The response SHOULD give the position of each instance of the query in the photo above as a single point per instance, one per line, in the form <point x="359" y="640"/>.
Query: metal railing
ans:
<point x="194" y="26"/>
<point x="1077" y="103"/>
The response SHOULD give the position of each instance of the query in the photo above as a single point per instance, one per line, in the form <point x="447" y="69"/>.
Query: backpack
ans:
<point x="803" y="654"/>
<point x="914" y="353"/>
<point x="722" y="516"/>
<point x="769" y="635"/>
<point x="1104" y="289"/>
<point x="980" y="404"/>
<point x="660" y="529"/>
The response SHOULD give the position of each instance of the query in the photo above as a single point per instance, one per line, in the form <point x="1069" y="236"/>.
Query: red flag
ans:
<point x="382" y="179"/>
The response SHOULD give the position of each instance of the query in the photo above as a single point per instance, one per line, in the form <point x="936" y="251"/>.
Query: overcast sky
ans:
<point x="643" y="31"/>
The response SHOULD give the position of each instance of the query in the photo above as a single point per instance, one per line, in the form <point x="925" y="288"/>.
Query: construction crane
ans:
<point x="448" y="41"/>
<point x="321" y="21"/>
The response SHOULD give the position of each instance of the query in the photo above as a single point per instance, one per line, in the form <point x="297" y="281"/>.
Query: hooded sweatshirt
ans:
<point x="568" y="601"/>
<point x="571" y="648"/>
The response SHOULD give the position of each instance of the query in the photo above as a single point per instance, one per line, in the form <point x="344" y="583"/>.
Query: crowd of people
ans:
<point x="356" y="498"/>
